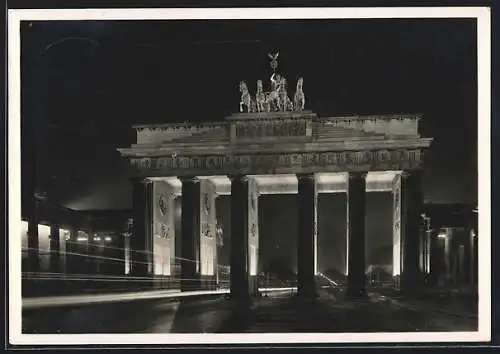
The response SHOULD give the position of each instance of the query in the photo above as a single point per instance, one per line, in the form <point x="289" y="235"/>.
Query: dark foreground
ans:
<point x="276" y="313"/>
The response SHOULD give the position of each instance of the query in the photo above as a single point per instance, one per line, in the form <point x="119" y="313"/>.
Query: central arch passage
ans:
<point x="278" y="235"/>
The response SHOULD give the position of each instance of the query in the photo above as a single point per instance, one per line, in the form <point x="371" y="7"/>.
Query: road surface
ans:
<point x="276" y="313"/>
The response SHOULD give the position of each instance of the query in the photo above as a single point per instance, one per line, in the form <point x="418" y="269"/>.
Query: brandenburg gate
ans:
<point x="272" y="137"/>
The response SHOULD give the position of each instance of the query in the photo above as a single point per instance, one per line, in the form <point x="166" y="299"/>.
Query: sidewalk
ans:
<point x="449" y="303"/>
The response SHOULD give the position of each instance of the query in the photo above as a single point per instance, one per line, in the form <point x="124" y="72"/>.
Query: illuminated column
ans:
<point x="356" y="198"/>
<point x="253" y="238"/>
<point x="33" y="242"/>
<point x="315" y="235"/>
<point x="190" y="229"/>
<point x="428" y="248"/>
<point x="239" y="238"/>
<point x="55" y="248"/>
<point x="396" y="230"/>
<point x="447" y="256"/>
<point x="140" y="240"/>
<point x="208" y="241"/>
<point x="306" y="256"/>
<point x="411" y="205"/>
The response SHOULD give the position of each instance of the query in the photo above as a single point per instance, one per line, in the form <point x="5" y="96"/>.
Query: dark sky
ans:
<point x="85" y="82"/>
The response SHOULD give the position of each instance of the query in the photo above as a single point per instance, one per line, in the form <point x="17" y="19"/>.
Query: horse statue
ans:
<point x="299" y="98"/>
<point x="285" y="104"/>
<point x="261" y="101"/>
<point x="246" y="99"/>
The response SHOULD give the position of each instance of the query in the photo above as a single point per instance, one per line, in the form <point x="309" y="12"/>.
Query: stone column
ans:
<point x="306" y="236"/>
<point x="190" y="229"/>
<point x="428" y="252"/>
<point x="239" y="238"/>
<point x="396" y="231"/>
<point x="356" y="199"/>
<point x="411" y="206"/>
<point x="140" y="255"/>
<point x="208" y="241"/>
<point x="253" y="238"/>
<point x="150" y="226"/>
<point x="55" y="249"/>
<point x="33" y="242"/>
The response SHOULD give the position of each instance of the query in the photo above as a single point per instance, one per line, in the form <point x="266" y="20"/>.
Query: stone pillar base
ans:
<point x="253" y="284"/>
<point x="396" y="281"/>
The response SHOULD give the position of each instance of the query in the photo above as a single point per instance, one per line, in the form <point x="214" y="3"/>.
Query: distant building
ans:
<point x="69" y="241"/>
<point x="453" y="229"/>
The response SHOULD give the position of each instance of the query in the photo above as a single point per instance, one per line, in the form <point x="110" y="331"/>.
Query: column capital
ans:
<point x="410" y="173"/>
<point x="189" y="179"/>
<point x="354" y="175"/>
<point x="238" y="177"/>
<point x="306" y="177"/>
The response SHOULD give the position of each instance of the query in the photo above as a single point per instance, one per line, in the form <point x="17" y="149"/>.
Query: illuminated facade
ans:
<point x="250" y="154"/>
<point x="274" y="138"/>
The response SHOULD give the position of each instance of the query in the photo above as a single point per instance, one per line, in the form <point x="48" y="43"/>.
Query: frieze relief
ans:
<point x="345" y="159"/>
<point x="272" y="128"/>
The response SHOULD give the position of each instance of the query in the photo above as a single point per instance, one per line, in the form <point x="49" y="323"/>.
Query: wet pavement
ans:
<point x="329" y="314"/>
<point x="144" y="316"/>
<point x="282" y="313"/>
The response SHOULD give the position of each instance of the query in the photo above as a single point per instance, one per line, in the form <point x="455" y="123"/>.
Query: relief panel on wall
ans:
<point x="253" y="227"/>
<point x="164" y="228"/>
<point x="208" y="245"/>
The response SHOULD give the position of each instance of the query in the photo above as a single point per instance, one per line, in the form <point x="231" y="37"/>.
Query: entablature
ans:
<point x="288" y="147"/>
<point x="279" y="163"/>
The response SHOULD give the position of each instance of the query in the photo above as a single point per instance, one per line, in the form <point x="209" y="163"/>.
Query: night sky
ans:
<point x="84" y="83"/>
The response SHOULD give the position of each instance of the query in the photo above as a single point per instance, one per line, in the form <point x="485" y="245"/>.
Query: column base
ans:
<point x="253" y="285"/>
<point x="396" y="281"/>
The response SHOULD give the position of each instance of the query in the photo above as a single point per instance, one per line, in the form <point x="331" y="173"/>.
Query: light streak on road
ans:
<point x="73" y="300"/>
